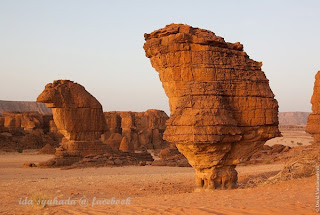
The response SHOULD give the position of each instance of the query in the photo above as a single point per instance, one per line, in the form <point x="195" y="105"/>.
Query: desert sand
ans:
<point x="152" y="190"/>
<point x="292" y="138"/>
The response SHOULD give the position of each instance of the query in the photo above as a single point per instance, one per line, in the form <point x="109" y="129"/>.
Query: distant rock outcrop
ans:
<point x="143" y="129"/>
<point x="222" y="108"/>
<point x="20" y="106"/>
<point x="25" y="120"/>
<point x="27" y="130"/>
<point x="293" y="118"/>
<point x="313" y="124"/>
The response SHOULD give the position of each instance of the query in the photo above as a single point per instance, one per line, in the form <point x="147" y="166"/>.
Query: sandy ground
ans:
<point x="292" y="138"/>
<point x="148" y="189"/>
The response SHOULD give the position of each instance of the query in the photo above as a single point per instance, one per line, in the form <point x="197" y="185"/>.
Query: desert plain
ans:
<point x="151" y="189"/>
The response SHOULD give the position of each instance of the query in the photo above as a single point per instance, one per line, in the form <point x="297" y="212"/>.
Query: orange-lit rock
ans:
<point x="313" y="124"/>
<point x="78" y="116"/>
<point x="222" y="108"/>
<point x="143" y="129"/>
<point x="28" y="130"/>
<point x="126" y="146"/>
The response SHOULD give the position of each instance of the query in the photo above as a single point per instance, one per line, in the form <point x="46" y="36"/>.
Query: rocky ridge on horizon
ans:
<point x="23" y="106"/>
<point x="293" y="118"/>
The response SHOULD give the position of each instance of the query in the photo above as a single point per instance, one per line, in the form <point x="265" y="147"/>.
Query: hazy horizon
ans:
<point x="99" y="44"/>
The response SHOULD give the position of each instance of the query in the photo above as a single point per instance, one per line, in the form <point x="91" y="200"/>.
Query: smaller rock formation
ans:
<point x="143" y="129"/>
<point x="29" y="165"/>
<point x="79" y="117"/>
<point x="270" y="154"/>
<point x="114" y="141"/>
<point x="116" y="158"/>
<point x="313" y="124"/>
<point x="171" y="156"/>
<point x="47" y="149"/>
<point x="26" y="130"/>
<point x="126" y="146"/>
<point x="303" y="163"/>
<point x="27" y="121"/>
<point x="1" y="122"/>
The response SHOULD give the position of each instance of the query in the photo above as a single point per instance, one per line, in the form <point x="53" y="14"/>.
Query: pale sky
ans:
<point x="99" y="44"/>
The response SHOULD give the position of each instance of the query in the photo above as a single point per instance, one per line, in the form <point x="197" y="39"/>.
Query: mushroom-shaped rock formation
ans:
<point x="78" y="116"/>
<point x="313" y="124"/>
<point x="222" y="108"/>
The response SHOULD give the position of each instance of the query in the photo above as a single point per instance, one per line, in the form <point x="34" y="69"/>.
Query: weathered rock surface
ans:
<point x="79" y="117"/>
<point x="270" y="154"/>
<point x="143" y="129"/>
<point x="47" y="149"/>
<point x="301" y="162"/>
<point x="26" y="130"/>
<point x="313" y="124"/>
<point x="76" y="113"/>
<point x="24" y="120"/>
<point x="126" y="146"/>
<point x="29" y="165"/>
<point x="171" y="156"/>
<point x="116" y="158"/>
<point x="114" y="141"/>
<point x="222" y="108"/>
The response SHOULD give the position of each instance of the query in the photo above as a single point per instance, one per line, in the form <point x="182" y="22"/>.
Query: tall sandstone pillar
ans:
<point x="222" y="108"/>
<point x="313" y="123"/>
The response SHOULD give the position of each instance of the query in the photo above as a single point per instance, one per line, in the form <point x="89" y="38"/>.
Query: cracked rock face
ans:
<point x="78" y="116"/>
<point x="313" y="123"/>
<point x="222" y="108"/>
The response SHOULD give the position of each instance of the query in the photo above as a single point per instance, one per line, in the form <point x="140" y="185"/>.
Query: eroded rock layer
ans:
<point x="313" y="124"/>
<point x="26" y="121"/>
<point x="143" y="129"/>
<point x="222" y="108"/>
<point x="27" y="130"/>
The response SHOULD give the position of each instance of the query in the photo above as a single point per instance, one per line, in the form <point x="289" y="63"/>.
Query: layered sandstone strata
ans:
<point x="222" y="108"/>
<point x="313" y="124"/>
<point x="126" y="146"/>
<point x="27" y="130"/>
<point x="78" y="116"/>
<point x="26" y="121"/>
<point x="143" y="129"/>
